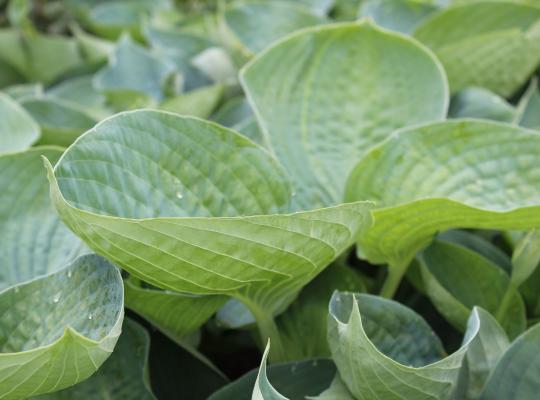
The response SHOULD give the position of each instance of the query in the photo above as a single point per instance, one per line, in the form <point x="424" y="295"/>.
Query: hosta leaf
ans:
<point x="132" y="69"/>
<point x="34" y="241"/>
<point x="397" y="15"/>
<point x="428" y="179"/>
<point x="263" y="389"/>
<point x="18" y="131"/>
<point x="61" y="121"/>
<point x="320" y="7"/>
<point x="528" y="110"/>
<point x="80" y="90"/>
<point x="320" y="115"/>
<point x="198" y="103"/>
<point x="516" y="374"/>
<point x="39" y="57"/>
<point x="185" y="207"/>
<point x="480" y="103"/>
<point x="483" y="353"/>
<point x="526" y="257"/>
<point x="295" y="380"/>
<point x="302" y="326"/>
<point x="256" y="24"/>
<point x="122" y="376"/>
<point x="236" y="113"/>
<point x="456" y="279"/>
<point x="383" y="350"/>
<point x="56" y="331"/>
<point x="175" y="314"/>
<point x="495" y="45"/>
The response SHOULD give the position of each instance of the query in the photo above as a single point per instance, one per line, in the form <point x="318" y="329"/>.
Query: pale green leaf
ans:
<point x="21" y="91"/>
<point x="336" y="391"/>
<point x="383" y="350"/>
<point x="34" y="241"/>
<point x="424" y="180"/>
<point x="457" y="279"/>
<point x="191" y="206"/>
<point x="516" y="375"/>
<point x="56" y="330"/>
<point x="18" y="131"/>
<point x="124" y="374"/>
<point x="263" y="389"/>
<point x="61" y="121"/>
<point x="489" y="44"/>
<point x="175" y="314"/>
<point x="477" y="102"/>
<point x="320" y="115"/>
<point x="397" y="15"/>
<point x="256" y="24"/>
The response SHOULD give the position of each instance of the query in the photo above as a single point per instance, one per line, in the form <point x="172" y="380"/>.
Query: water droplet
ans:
<point x="90" y="316"/>
<point x="56" y="298"/>
<point x="179" y="195"/>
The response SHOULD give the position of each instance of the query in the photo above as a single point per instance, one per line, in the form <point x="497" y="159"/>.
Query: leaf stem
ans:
<point x="267" y="330"/>
<point x="396" y="271"/>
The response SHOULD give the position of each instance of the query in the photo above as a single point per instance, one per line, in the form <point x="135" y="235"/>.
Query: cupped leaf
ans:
<point x="256" y="24"/>
<point x="188" y="205"/>
<point x="483" y="353"/>
<point x="457" y="279"/>
<point x="477" y="102"/>
<point x="263" y="389"/>
<point x="528" y="109"/>
<point x="61" y="121"/>
<point x="133" y="70"/>
<point x="383" y="350"/>
<point x="34" y="240"/>
<point x="18" y="131"/>
<point x="397" y="15"/>
<point x="468" y="174"/>
<point x="295" y="380"/>
<point x="491" y="44"/>
<point x="57" y="330"/>
<point x="123" y="376"/>
<point x="516" y="374"/>
<point x="303" y="326"/>
<point x="320" y="115"/>
<point x="175" y="314"/>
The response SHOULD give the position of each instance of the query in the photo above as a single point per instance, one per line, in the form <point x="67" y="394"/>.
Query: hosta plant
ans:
<point x="255" y="199"/>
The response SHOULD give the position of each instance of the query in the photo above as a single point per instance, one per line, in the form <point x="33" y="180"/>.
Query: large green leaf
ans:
<point x="320" y="114"/>
<point x="56" y="330"/>
<point x="34" y="241"/>
<point x="124" y="374"/>
<point x="61" y="121"/>
<point x="467" y="173"/>
<point x="475" y="102"/>
<point x="516" y="374"/>
<point x="175" y="314"/>
<point x="18" y="131"/>
<point x="190" y="206"/>
<point x="383" y="350"/>
<point x="457" y="279"/>
<point x="495" y="45"/>
<point x="256" y="24"/>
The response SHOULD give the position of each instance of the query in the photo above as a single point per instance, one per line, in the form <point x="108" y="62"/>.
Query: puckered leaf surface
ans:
<point x="327" y="94"/>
